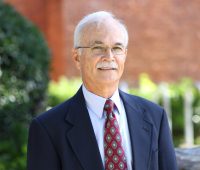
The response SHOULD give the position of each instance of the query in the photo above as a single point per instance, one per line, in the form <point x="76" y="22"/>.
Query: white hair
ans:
<point x="97" y="17"/>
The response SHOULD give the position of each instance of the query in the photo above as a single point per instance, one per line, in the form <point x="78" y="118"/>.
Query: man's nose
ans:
<point x="109" y="53"/>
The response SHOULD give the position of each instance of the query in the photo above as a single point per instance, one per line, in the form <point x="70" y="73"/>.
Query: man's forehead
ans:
<point x="97" y="42"/>
<point x="105" y="25"/>
<point x="109" y="33"/>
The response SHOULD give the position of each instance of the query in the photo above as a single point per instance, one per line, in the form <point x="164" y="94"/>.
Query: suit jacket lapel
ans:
<point x="140" y="130"/>
<point x="81" y="136"/>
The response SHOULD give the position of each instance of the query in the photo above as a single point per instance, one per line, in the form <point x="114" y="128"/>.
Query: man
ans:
<point x="101" y="127"/>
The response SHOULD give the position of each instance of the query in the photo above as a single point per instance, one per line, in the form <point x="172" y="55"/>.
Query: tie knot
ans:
<point x="109" y="105"/>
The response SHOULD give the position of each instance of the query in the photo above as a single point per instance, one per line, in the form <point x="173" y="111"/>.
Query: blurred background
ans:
<point x="37" y="71"/>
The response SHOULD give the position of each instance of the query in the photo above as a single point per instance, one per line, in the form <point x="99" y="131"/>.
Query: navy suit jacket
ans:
<point x="63" y="137"/>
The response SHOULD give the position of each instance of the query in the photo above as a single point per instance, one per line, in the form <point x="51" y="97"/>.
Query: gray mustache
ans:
<point x="112" y="65"/>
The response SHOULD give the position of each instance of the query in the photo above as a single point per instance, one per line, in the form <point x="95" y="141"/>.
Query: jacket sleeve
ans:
<point x="41" y="153"/>
<point x="166" y="153"/>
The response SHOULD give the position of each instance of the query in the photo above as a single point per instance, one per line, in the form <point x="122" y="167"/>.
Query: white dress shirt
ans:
<point x="95" y="105"/>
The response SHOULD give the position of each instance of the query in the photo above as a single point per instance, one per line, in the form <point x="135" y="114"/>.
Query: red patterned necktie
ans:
<point x="114" y="154"/>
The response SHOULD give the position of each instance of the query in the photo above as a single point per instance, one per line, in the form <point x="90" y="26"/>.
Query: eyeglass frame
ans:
<point x="105" y="47"/>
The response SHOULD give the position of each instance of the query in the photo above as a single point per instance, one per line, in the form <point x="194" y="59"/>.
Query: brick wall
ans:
<point x="164" y="34"/>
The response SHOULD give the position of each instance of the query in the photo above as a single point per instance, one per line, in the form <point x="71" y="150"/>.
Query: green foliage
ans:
<point x="147" y="88"/>
<point x="176" y="94"/>
<point x="62" y="90"/>
<point x="24" y="61"/>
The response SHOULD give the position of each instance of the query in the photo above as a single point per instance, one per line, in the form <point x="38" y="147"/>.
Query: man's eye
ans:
<point x="117" y="48"/>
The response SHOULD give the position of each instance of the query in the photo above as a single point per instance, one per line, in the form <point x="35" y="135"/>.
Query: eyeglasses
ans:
<point x="99" y="50"/>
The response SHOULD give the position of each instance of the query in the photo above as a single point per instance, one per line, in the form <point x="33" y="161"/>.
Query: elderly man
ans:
<point x="101" y="127"/>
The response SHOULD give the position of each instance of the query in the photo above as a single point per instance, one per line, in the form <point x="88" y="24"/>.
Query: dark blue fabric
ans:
<point x="63" y="138"/>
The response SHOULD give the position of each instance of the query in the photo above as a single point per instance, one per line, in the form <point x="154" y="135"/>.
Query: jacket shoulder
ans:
<point x="151" y="111"/>
<point x="55" y="112"/>
<point x="141" y="102"/>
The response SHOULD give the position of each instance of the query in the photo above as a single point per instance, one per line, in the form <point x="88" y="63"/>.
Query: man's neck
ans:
<point x="105" y="91"/>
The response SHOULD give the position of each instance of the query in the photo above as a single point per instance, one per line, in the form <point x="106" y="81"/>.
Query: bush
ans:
<point x="62" y="90"/>
<point x="24" y="61"/>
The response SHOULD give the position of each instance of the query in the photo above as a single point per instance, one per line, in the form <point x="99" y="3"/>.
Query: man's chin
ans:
<point x="108" y="79"/>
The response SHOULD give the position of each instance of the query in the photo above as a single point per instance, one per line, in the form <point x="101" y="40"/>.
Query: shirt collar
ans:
<point x="116" y="99"/>
<point x="96" y="103"/>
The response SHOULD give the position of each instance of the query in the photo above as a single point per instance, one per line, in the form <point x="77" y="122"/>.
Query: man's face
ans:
<point x="98" y="67"/>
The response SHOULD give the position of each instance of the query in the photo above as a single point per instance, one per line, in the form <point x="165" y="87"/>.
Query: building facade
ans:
<point x="164" y="35"/>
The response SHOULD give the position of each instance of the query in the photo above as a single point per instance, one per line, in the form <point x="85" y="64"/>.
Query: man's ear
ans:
<point x="126" y="51"/>
<point x="76" y="58"/>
